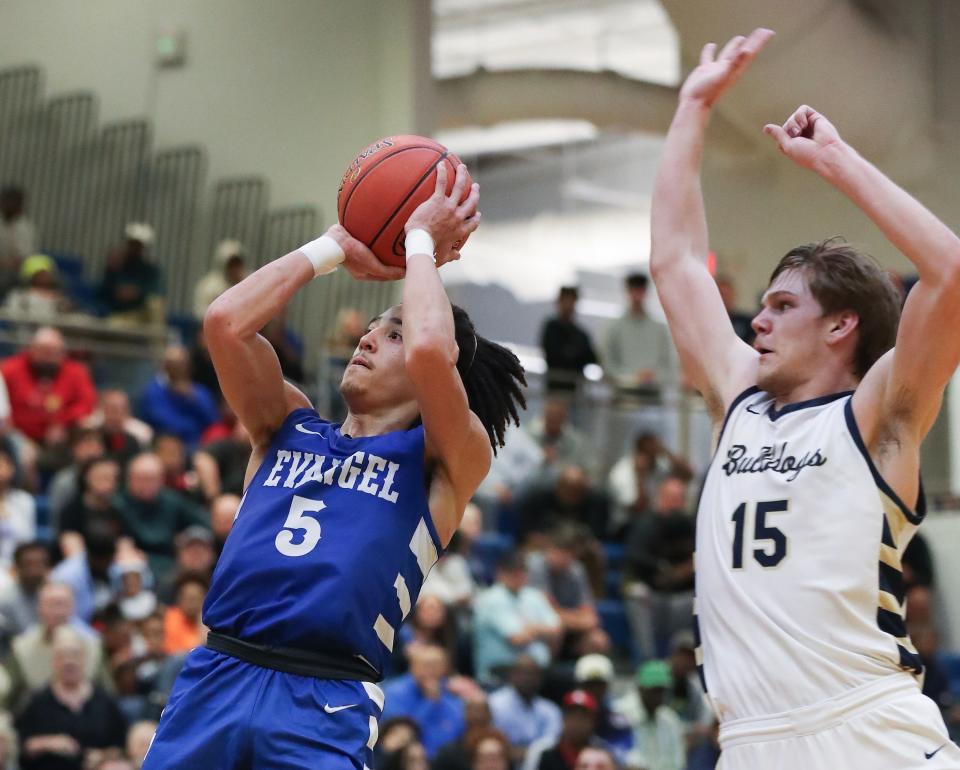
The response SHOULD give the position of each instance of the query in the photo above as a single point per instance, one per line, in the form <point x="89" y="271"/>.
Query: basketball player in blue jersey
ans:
<point x="339" y="524"/>
<point x="813" y="493"/>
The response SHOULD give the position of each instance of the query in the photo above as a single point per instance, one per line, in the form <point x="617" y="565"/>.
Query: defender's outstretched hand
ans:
<point x="359" y="261"/>
<point x="450" y="219"/>
<point x="715" y="74"/>
<point x="807" y="137"/>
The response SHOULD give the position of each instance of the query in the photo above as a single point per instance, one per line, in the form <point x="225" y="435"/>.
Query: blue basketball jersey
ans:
<point x="331" y="544"/>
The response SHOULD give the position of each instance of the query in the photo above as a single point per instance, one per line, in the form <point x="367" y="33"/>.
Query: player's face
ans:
<point x="790" y="330"/>
<point x="378" y="366"/>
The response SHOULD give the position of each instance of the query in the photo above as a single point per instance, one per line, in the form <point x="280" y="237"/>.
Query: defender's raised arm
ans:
<point x="718" y="363"/>
<point x="906" y="385"/>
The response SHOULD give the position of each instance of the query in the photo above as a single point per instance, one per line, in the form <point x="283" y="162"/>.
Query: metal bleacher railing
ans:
<point x="85" y="181"/>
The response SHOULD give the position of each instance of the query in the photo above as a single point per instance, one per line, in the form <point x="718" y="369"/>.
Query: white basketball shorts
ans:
<point x="885" y="725"/>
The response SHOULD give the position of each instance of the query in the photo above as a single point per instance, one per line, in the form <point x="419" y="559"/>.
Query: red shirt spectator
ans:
<point x="48" y="392"/>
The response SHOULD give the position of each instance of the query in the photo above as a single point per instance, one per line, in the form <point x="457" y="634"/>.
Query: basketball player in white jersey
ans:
<point x="814" y="491"/>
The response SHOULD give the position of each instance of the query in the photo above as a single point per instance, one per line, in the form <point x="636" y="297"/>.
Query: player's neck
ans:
<point x="376" y="423"/>
<point x="824" y="383"/>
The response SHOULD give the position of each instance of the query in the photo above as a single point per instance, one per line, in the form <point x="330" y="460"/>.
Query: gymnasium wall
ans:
<point x="289" y="90"/>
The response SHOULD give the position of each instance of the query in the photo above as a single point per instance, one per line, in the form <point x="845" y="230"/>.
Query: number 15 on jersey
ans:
<point x="770" y="544"/>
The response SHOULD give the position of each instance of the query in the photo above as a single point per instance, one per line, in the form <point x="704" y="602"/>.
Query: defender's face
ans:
<point x="790" y="333"/>
<point x="378" y="367"/>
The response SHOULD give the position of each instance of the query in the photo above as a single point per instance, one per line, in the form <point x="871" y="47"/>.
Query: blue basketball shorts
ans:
<point x="227" y="714"/>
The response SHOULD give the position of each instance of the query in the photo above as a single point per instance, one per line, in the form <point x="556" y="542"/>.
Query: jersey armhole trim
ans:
<point x="733" y="405"/>
<point x="907" y="511"/>
<point x="428" y="514"/>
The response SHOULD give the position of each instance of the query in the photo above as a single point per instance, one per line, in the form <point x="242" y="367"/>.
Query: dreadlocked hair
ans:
<point x="492" y="376"/>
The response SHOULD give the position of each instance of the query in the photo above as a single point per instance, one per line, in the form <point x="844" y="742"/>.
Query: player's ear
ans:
<point x="842" y="325"/>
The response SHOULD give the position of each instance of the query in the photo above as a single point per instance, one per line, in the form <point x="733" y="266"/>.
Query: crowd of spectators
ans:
<point x="115" y="505"/>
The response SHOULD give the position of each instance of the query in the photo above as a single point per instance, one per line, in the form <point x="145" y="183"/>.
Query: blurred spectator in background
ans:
<point x="429" y="625"/>
<point x="595" y="758"/>
<point x="223" y="511"/>
<point x="30" y="663"/>
<point x="570" y="499"/>
<point x="561" y="443"/>
<point x="456" y="755"/>
<point x="194" y="556"/>
<point x="181" y="622"/>
<point x="519" y="711"/>
<point x="133" y="588"/>
<point x="17" y="235"/>
<point x="634" y="479"/>
<point x="514" y="470"/>
<point x="153" y="514"/>
<point x="413" y="756"/>
<point x="422" y="695"/>
<point x="487" y="749"/>
<point x="658" y="734"/>
<point x="85" y="566"/>
<point x="511" y="618"/>
<point x="151" y="652"/>
<point x="594" y="673"/>
<point x="566" y="345"/>
<point x="918" y="580"/>
<point x="173" y="403"/>
<point x="177" y="474"/>
<point x="658" y="569"/>
<point x="221" y="465"/>
<point x="578" y="732"/>
<point x="18" y="511"/>
<point x="49" y="393"/>
<point x="637" y="351"/>
<point x="396" y="734"/>
<point x="8" y="743"/>
<point x="65" y="722"/>
<point x="227" y="270"/>
<point x="130" y="290"/>
<point x="741" y="321"/>
<point x="139" y="737"/>
<point x="350" y="326"/>
<point x="201" y="366"/>
<point x="124" y="436"/>
<point x="936" y="683"/>
<point x="706" y="754"/>
<point x="94" y="511"/>
<point x="563" y="579"/>
<point x="19" y="594"/>
<point x="287" y="345"/>
<point x="39" y="295"/>
<point x="686" y="696"/>
<point x="85" y="444"/>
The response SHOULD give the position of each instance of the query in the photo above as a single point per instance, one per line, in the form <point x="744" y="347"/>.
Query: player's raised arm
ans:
<point x="246" y="363"/>
<point x="906" y="385"/>
<point x="718" y="363"/>
<point x="456" y="438"/>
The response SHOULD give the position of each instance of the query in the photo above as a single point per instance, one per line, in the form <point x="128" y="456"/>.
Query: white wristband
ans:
<point x="324" y="254"/>
<point x="419" y="242"/>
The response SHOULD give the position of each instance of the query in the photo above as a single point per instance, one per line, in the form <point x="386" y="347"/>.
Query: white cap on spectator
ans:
<point x="592" y="667"/>
<point x="139" y="231"/>
<point x="228" y="248"/>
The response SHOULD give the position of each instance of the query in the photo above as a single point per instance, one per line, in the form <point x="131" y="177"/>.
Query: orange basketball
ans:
<point x="384" y="184"/>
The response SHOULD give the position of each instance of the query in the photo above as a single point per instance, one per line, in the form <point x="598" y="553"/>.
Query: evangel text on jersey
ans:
<point x="364" y="472"/>
<point x="770" y="458"/>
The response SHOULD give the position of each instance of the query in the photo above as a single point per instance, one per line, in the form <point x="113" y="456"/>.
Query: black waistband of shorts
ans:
<point x="293" y="661"/>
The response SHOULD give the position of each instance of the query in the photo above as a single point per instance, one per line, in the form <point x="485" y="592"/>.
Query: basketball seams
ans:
<point x="409" y="195"/>
<point x="371" y="167"/>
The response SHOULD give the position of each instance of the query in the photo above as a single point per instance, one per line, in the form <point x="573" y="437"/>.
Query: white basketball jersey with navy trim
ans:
<point x="799" y="582"/>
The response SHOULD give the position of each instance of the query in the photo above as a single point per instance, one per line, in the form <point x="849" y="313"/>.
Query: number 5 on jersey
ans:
<point x="766" y="556"/>
<point x="297" y="521"/>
